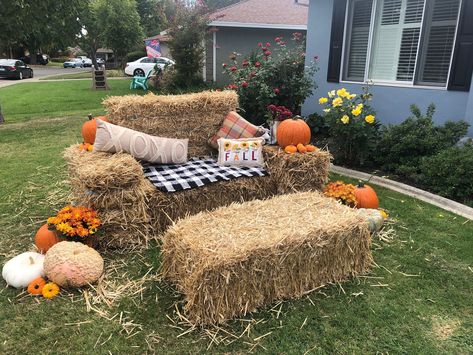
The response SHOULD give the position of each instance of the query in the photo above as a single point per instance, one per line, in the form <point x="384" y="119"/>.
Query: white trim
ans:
<point x="258" y="25"/>
<point x="345" y="33"/>
<point x="454" y="41"/>
<point x="396" y="84"/>
<point x="420" y="43"/>
<point x="374" y="8"/>
<point x="214" y="56"/>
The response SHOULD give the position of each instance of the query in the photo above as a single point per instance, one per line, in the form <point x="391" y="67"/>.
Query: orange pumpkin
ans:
<point x="89" y="128"/>
<point x="311" y="148"/>
<point x="366" y="196"/>
<point x="292" y="132"/>
<point x="291" y="149"/>
<point x="36" y="286"/>
<point x="45" y="239"/>
<point x="301" y="148"/>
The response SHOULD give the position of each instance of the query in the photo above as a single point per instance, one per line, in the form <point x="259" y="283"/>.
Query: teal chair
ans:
<point x="140" y="81"/>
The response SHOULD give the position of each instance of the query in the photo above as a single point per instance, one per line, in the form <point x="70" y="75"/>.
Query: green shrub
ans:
<point x="271" y="75"/>
<point x="350" y="127"/>
<point x="187" y="31"/>
<point x="132" y="56"/>
<point x="449" y="173"/>
<point x="402" y="147"/>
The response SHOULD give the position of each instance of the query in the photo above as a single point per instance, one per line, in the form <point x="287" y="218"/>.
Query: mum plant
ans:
<point x="76" y="223"/>
<point x="352" y="126"/>
<point x="273" y="74"/>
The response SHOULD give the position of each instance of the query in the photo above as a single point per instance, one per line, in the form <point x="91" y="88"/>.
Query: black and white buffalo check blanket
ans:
<point x="196" y="172"/>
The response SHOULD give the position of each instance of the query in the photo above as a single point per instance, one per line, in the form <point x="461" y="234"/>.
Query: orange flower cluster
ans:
<point x="342" y="192"/>
<point x="76" y="222"/>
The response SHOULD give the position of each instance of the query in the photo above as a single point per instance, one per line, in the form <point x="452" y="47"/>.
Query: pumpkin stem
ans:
<point x="31" y="260"/>
<point x="362" y="183"/>
<point x="90" y="116"/>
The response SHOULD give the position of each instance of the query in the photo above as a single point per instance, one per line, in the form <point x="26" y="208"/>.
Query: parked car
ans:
<point x="87" y="62"/>
<point x="74" y="63"/>
<point x="142" y="66"/>
<point x="14" y="68"/>
<point x="42" y="59"/>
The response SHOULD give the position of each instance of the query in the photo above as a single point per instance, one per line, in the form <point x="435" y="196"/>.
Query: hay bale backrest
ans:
<point x="194" y="116"/>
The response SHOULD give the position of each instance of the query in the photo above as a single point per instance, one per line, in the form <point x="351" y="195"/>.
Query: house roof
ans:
<point x="281" y="14"/>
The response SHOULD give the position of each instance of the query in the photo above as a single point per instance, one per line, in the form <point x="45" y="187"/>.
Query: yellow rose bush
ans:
<point x="350" y="125"/>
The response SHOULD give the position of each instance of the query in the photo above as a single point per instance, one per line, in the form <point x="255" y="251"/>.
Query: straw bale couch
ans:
<point x="133" y="210"/>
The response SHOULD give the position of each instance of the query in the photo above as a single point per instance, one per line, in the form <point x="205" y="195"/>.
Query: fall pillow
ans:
<point x="240" y="152"/>
<point x="235" y="126"/>
<point x="111" y="138"/>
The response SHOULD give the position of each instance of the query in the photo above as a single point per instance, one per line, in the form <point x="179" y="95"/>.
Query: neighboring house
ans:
<point x="163" y="39"/>
<point x="105" y="53"/>
<point x="413" y="51"/>
<point x="239" y="28"/>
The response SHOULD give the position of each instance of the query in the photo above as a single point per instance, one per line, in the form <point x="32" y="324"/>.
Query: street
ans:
<point x="41" y="71"/>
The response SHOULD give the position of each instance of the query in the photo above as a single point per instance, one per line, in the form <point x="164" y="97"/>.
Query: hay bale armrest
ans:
<point x="297" y="172"/>
<point x="234" y="259"/>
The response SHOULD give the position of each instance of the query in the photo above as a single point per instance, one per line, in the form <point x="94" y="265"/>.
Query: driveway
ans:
<point x="41" y="71"/>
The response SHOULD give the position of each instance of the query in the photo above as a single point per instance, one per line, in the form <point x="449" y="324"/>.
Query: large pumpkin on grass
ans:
<point x="45" y="239"/>
<point x="366" y="196"/>
<point x="293" y="131"/>
<point x="89" y="128"/>
<point x="73" y="264"/>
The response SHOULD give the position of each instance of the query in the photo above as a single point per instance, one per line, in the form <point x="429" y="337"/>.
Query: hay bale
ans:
<point x="194" y="116"/>
<point x="234" y="259"/>
<point x="298" y="172"/>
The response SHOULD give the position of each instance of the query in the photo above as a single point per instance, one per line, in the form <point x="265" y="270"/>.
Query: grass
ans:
<point x="57" y="99"/>
<point x="112" y="73"/>
<point x="418" y="299"/>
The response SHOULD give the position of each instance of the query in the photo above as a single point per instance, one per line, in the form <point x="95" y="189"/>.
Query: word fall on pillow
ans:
<point x="112" y="138"/>
<point x="240" y="152"/>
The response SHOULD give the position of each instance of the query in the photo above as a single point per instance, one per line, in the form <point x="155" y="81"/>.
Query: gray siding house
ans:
<point x="411" y="51"/>
<point x="239" y="28"/>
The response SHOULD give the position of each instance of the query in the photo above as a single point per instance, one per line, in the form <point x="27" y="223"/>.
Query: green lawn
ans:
<point x="57" y="99"/>
<point x="417" y="300"/>
<point x="113" y="73"/>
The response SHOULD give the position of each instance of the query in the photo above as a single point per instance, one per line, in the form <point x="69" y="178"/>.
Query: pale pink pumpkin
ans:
<point x="73" y="264"/>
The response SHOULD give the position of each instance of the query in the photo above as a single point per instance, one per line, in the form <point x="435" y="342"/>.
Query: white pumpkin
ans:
<point x="22" y="269"/>
<point x="374" y="218"/>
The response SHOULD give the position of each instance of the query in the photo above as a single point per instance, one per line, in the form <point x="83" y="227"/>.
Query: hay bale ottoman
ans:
<point x="230" y="261"/>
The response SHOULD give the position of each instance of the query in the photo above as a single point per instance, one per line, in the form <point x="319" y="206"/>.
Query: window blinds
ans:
<point x="358" y="39"/>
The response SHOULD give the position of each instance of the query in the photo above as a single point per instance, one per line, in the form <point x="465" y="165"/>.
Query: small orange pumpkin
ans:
<point x="293" y="131"/>
<point x="311" y="148"/>
<point x="301" y="148"/>
<point x="89" y="128"/>
<point x="291" y="149"/>
<point x="45" y="239"/>
<point x="36" y="286"/>
<point x="366" y="196"/>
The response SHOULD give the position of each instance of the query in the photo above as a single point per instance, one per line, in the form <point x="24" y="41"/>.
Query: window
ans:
<point x="400" y="41"/>
<point x="147" y="60"/>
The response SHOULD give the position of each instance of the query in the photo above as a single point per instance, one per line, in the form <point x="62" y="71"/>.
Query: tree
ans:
<point x="187" y="31"/>
<point x="121" y="26"/>
<point x="92" y="38"/>
<point x="39" y="25"/>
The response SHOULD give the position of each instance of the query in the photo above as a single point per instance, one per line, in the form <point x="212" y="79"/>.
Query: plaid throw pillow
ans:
<point x="234" y="126"/>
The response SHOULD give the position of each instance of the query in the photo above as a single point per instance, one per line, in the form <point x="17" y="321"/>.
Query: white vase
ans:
<point x="273" y="128"/>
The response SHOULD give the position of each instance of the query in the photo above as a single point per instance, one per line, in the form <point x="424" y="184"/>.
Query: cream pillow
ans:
<point x="240" y="152"/>
<point x="112" y="138"/>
